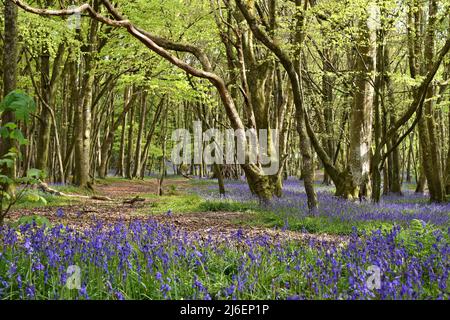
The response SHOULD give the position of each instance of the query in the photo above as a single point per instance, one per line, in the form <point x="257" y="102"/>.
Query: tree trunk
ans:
<point x="9" y="81"/>
<point x="43" y="141"/>
<point x="84" y="112"/>
<point x="394" y="165"/>
<point x="219" y="176"/>
<point x="327" y="100"/>
<point x="427" y="125"/>
<point x="138" y="151"/>
<point x="129" y="162"/>
<point x="121" y="161"/>
<point x="447" y="168"/>
<point x="107" y="144"/>
<point x="409" y="159"/>
<point x="361" y="114"/>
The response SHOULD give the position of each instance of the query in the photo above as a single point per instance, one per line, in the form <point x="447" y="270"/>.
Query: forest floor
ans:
<point x="177" y="207"/>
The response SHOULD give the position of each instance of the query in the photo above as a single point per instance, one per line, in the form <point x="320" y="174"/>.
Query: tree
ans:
<point x="9" y="83"/>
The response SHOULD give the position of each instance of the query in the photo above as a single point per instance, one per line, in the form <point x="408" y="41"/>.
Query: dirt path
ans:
<point x="124" y="189"/>
<point x="218" y="225"/>
<point x="224" y="225"/>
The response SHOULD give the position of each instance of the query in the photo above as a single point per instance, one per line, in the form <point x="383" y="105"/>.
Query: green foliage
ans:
<point x="314" y="224"/>
<point x="419" y="237"/>
<point x="34" y="197"/>
<point x="179" y="203"/>
<point x="22" y="106"/>
<point x="172" y="190"/>
<point x="228" y="206"/>
<point x="155" y="151"/>
<point x="33" y="220"/>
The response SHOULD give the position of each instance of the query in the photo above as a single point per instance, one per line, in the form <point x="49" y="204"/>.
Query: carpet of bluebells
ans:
<point x="392" y="208"/>
<point x="147" y="260"/>
<point x="151" y="260"/>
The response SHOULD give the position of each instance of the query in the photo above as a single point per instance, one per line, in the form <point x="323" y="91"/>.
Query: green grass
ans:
<point x="228" y="206"/>
<point x="183" y="203"/>
<point x="313" y="224"/>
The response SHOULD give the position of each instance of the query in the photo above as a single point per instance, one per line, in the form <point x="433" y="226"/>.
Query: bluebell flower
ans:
<point x="30" y="291"/>
<point x="119" y="295"/>
<point x="60" y="213"/>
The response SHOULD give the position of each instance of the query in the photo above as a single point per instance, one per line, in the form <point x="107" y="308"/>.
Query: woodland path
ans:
<point x="82" y="213"/>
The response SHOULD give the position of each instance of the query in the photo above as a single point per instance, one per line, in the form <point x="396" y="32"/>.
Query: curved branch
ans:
<point x="149" y="42"/>
<point x="166" y="44"/>
<point x="68" y="12"/>
<point x="295" y="82"/>
<point x="399" y="140"/>
<point x="416" y="105"/>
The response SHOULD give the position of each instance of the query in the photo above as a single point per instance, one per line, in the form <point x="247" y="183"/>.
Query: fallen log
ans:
<point x="185" y="175"/>
<point x="45" y="188"/>
<point x="133" y="200"/>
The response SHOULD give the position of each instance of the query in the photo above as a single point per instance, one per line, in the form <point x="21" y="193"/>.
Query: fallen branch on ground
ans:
<point x="45" y="188"/>
<point x="133" y="200"/>
<point x="186" y="175"/>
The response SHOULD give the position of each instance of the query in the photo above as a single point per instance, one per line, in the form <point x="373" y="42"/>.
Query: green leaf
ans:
<point x="10" y="125"/>
<point x="18" y="135"/>
<point x="20" y="103"/>
<point x="10" y="155"/>
<point x="32" y="197"/>
<point x="417" y="225"/>
<point x="5" y="179"/>
<point x="34" y="173"/>
<point x="6" y="197"/>
<point x="6" y="162"/>
<point x="39" y="220"/>
<point x="42" y="200"/>
<point x="35" y="197"/>
<point x="4" y="132"/>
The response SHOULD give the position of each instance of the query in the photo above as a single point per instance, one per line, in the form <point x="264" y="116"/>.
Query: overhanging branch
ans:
<point x="150" y="42"/>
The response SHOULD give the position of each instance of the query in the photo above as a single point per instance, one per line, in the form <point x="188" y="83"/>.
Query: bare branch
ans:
<point x="68" y="12"/>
